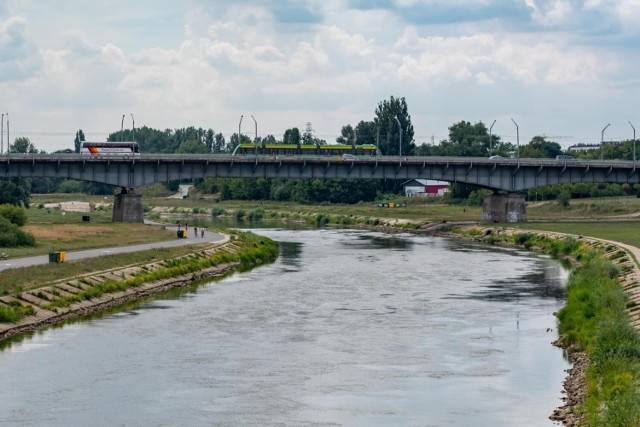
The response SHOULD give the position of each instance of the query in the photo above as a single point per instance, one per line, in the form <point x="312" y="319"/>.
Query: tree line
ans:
<point x="390" y="129"/>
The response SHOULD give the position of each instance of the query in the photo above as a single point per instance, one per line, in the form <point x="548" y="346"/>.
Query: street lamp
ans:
<point x="240" y="127"/>
<point x="134" y="128"/>
<point x="400" y="147"/>
<point x="8" y="140"/>
<point x="602" y="141"/>
<point x="2" y="135"/>
<point x="255" y="140"/>
<point x="490" y="146"/>
<point x="517" y="139"/>
<point x="634" y="142"/>
<point x="122" y="129"/>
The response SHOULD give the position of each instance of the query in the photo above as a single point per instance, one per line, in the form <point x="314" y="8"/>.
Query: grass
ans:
<point x="249" y="250"/>
<point x="20" y="279"/>
<point x="580" y="209"/>
<point x="57" y="232"/>
<point x="595" y="320"/>
<point x="620" y="231"/>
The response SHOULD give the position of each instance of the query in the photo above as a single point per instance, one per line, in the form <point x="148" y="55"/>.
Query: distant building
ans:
<point x="583" y="147"/>
<point x="425" y="188"/>
<point x="590" y="147"/>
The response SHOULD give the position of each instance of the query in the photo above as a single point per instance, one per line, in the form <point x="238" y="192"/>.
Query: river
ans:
<point x="346" y="328"/>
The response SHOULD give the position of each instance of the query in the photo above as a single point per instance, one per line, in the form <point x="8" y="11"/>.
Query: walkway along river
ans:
<point x="345" y="328"/>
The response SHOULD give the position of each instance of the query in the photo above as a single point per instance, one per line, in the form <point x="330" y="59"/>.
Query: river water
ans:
<point x="346" y="328"/>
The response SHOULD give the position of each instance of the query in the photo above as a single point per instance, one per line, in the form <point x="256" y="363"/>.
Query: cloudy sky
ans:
<point x="560" y="68"/>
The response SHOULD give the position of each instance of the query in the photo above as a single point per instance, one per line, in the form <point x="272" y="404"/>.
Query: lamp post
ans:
<point x="122" y="129"/>
<point x="400" y="127"/>
<point x="490" y="135"/>
<point x="239" y="130"/>
<point x="517" y="139"/>
<point x="2" y="135"/>
<point x="134" y="128"/>
<point x="255" y="140"/>
<point x="8" y="140"/>
<point x="602" y="141"/>
<point x="634" y="141"/>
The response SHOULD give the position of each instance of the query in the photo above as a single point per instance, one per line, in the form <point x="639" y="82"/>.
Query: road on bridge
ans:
<point x="209" y="237"/>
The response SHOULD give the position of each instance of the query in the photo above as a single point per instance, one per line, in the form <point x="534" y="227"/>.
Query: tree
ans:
<point x="15" y="191"/>
<point x="466" y="139"/>
<point x="388" y="129"/>
<point x="347" y="135"/>
<point x="192" y="146"/>
<point x="539" y="147"/>
<point x="77" y="142"/>
<point x="15" y="214"/>
<point x="209" y="139"/>
<point x="219" y="143"/>
<point x="234" y="141"/>
<point x="291" y="136"/>
<point x="366" y="133"/>
<point x="22" y="145"/>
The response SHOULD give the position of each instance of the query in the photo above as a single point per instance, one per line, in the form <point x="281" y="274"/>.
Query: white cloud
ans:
<point x="236" y="58"/>
<point x="19" y="59"/>
<point x="554" y="13"/>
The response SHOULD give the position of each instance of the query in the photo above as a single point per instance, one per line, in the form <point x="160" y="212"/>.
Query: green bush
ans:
<point x="14" y="214"/>
<point x="256" y="214"/>
<point x="12" y="236"/>
<point x="216" y="211"/>
<point x="239" y="214"/>
<point x="322" y="219"/>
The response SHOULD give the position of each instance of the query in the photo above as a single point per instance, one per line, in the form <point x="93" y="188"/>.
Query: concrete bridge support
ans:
<point x="127" y="206"/>
<point x="504" y="208"/>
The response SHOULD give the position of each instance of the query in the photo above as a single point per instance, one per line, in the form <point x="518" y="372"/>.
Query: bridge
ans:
<point x="508" y="175"/>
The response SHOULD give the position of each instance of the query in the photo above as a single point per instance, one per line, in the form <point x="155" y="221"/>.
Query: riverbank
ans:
<point x="92" y="293"/>
<point x="598" y="325"/>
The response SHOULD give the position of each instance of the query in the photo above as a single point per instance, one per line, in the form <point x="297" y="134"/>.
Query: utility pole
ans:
<point x="134" y="128"/>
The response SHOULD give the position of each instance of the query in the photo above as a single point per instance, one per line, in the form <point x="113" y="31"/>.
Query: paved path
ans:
<point x="209" y="237"/>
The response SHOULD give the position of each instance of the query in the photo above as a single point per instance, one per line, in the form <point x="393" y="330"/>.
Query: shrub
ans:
<point x="12" y="236"/>
<point x="256" y="214"/>
<point x="14" y="214"/>
<point x="217" y="211"/>
<point x="239" y="214"/>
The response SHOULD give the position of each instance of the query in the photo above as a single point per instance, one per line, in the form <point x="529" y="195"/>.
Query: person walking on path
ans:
<point x="195" y="232"/>
<point x="202" y="233"/>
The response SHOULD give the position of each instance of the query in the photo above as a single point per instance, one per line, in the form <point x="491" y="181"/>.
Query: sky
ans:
<point x="563" y="69"/>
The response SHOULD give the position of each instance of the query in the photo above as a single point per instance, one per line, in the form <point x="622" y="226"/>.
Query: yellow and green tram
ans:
<point x="307" y="149"/>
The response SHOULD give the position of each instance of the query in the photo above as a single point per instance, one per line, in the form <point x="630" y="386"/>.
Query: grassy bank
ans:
<point x="245" y="251"/>
<point x="21" y="279"/>
<point x="619" y="231"/>
<point x="594" y="320"/>
<point x="54" y="231"/>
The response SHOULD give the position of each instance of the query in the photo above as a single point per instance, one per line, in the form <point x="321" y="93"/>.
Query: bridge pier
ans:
<point x="504" y="208"/>
<point x="127" y="206"/>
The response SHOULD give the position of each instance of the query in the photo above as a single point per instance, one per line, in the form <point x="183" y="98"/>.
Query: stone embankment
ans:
<point x="40" y="299"/>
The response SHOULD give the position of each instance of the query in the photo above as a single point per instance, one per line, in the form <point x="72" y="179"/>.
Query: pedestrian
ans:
<point x="202" y="233"/>
<point x="195" y="231"/>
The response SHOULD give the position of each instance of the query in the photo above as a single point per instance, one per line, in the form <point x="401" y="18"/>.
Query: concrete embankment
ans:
<point x="41" y="302"/>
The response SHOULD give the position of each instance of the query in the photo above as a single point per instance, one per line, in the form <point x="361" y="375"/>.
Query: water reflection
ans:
<point x="338" y="331"/>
